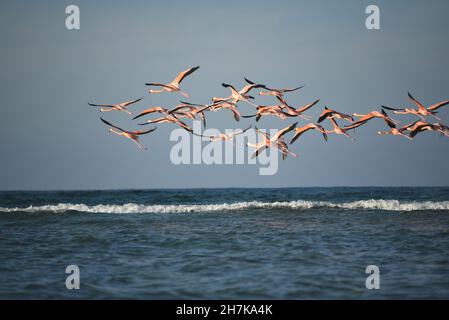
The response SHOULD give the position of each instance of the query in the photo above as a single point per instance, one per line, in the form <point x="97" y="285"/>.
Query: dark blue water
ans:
<point x="312" y="243"/>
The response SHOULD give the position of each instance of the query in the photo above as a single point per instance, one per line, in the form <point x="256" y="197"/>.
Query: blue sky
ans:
<point x="51" y="139"/>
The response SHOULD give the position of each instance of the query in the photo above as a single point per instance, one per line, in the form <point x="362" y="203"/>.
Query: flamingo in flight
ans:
<point x="311" y="126"/>
<point x="270" y="111"/>
<point x="422" y="110"/>
<point x="338" y="130"/>
<point x="364" y="118"/>
<point x="299" y="111"/>
<point x="224" y="136"/>
<point x="174" y="85"/>
<point x="118" y="107"/>
<point x="157" y="109"/>
<point x="217" y="106"/>
<point x="274" y="92"/>
<point x="329" y="113"/>
<point x="132" y="135"/>
<point x="194" y="109"/>
<point x="276" y="141"/>
<point x="237" y="96"/>
<point x="438" y="127"/>
<point x="189" y="111"/>
<point x="169" y="119"/>
<point x="397" y="131"/>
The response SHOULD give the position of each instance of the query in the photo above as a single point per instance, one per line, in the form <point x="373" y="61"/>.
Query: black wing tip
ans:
<point x="248" y="81"/>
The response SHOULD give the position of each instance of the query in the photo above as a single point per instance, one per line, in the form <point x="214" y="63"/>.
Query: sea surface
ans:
<point x="295" y="243"/>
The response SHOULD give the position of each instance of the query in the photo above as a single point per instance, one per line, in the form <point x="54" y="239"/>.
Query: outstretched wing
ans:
<point x="258" y="151"/>
<point x="390" y="123"/>
<point x="139" y="133"/>
<point x="308" y="106"/>
<point x="184" y="74"/>
<point x="157" y="84"/>
<point x="393" y="109"/>
<point x="419" y="104"/>
<point x="299" y="133"/>
<point x="100" y="105"/>
<point x="127" y="103"/>
<point x="230" y="86"/>
<point x="326" y="112"/>
<point x="438" y="105"/>
<point x="148" y="111"/>
<point x="249" y="81"/>
<point x="112" y="125"/>
<point x="284" y="131"/>
<point x="249" y="87"/>
<point x="241" y="132"/>
<point x="291" y="89"/>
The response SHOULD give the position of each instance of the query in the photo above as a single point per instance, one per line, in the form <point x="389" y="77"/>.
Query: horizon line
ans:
<point x="215" y="188"/>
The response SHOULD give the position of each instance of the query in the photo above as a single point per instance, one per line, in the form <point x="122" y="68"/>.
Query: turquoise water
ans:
<point x="299" y="243"/>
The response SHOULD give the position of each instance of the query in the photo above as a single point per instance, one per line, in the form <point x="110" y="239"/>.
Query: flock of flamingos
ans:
<point x="281" y="110"/>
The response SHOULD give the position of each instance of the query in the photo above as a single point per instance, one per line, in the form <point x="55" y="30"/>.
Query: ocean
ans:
<point x="292" y="243"/>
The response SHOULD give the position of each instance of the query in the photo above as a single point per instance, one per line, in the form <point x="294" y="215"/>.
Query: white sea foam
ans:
<point x="387" y="205"/>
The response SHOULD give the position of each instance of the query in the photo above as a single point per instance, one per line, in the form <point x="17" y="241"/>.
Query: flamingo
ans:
<point x="152" y="110"/>
<point x="364" y="118"/>
<point x="174" y="85"/>
<point x="189" y="111"/>
<point x="222" y="104"/>
<point x="169" y="119"/>
<point x="297" y="112"/>
<point x="339" y="130"/>
<point x="422" y="110"/>
<point x="329" y="113"/>
<point x="275" y="141"/>
<point x="224" y="136"/>
<point x="307" y="127"/>
<point x="274" y="92"/>
<point x="118" y="107"/>
<point x="132" y="135"/>
<point x="397" y="131"/>
<point x="237" y="96"/>
<point x="270" y="110"/>
<point x="282" y="146"/>
<point x="444" y="130"/>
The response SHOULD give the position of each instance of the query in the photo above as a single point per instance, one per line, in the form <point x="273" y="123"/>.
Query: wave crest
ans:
<point x="386" y="205"/>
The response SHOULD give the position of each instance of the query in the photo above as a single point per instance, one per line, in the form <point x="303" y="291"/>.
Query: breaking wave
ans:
<point x="300" y="205"/>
